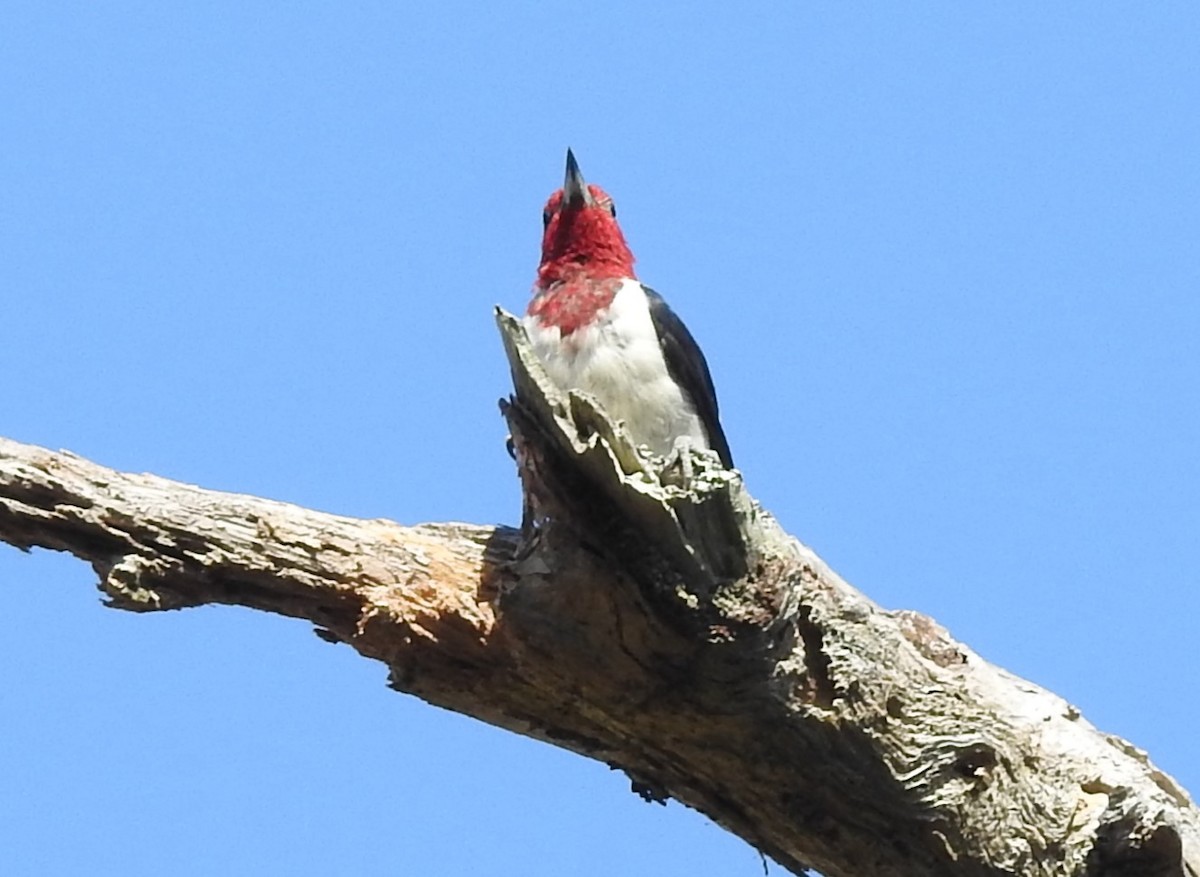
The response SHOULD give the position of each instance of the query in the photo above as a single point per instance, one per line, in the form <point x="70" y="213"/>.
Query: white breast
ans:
<point x="617" y="359"/>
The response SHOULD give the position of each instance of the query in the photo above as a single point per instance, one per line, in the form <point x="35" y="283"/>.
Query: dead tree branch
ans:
<point x="664" y="625"/>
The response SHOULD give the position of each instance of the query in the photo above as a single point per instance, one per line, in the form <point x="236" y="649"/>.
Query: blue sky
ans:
<point x="942" y="257"/>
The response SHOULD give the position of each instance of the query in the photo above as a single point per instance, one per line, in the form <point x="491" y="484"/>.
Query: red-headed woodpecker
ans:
<point x="596" y="328"/>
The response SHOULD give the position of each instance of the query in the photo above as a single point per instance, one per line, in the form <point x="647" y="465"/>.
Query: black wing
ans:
<point x="686" y="365"/>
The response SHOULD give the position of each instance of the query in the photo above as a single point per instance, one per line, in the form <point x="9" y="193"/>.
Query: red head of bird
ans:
<point x="582" y="240"/>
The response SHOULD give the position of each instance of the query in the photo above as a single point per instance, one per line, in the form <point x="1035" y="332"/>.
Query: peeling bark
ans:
<point x="663" y="625"/>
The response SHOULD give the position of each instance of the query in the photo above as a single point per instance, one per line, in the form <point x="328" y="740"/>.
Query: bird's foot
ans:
<point x="677" y="470"/>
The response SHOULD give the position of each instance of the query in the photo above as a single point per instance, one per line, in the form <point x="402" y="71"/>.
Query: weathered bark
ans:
<point x="673" y="631"/>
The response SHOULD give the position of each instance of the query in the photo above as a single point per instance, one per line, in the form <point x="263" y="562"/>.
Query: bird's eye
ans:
<point x="545" y="218"/>
<point x="612" y="208"/>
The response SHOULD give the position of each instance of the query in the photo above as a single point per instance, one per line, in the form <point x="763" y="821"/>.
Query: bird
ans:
<point x="595" y="327"/>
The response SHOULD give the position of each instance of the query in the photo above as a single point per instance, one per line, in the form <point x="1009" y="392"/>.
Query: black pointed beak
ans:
<point x="575" y="190"/>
